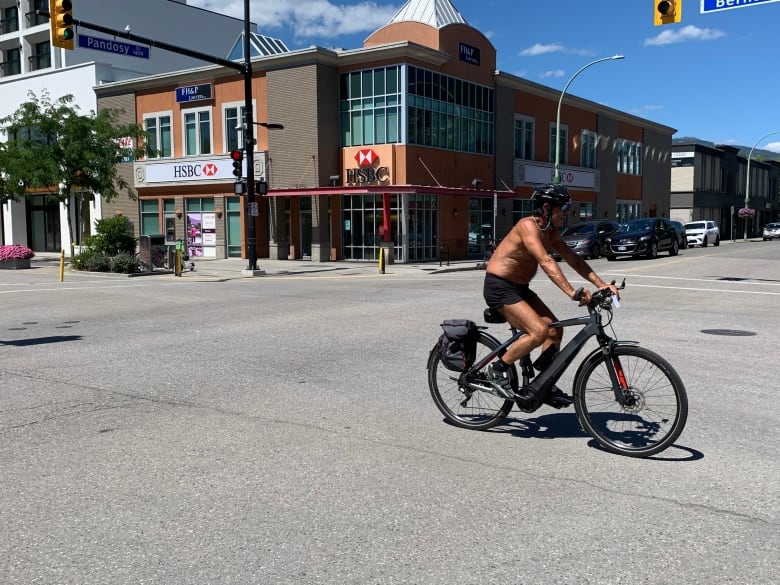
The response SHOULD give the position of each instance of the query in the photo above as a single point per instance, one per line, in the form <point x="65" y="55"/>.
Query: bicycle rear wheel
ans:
<point x="656" y="406"/>
<point x="469" y="402"/>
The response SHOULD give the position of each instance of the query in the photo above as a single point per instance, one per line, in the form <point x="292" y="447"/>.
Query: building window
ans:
<point x="524" y="137"/>
<point x="13" y="62"/>
<point x="521" y="208"/>
<point x="234" y="116"/>
<point x="197" y="132"/>
<point x="563" y="154"/>
<point x="370" y="105"/>
<point x="446" y="112"/>
<point x="588" y="143"/>
<point x="150" y="217"/>
<point x="629" y="159"/>
<point x="159" y="141"/>
<point x="9" y="19"/>
<point x="33" y="18"/>
<point x="41" y="59"/>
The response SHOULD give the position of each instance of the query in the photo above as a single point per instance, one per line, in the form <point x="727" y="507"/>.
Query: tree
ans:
<point x="52" y="149"/>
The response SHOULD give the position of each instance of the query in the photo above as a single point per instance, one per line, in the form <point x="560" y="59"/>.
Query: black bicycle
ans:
<point x="628" y="398"/>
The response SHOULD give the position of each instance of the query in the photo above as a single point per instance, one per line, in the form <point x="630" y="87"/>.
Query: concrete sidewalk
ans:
<point x="236" y="268"/>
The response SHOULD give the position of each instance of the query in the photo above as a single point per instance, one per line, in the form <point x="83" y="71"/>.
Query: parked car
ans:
<point x="642" y="237"/>
<point x="587" y="238"/>
<point x="703" y="233"/>
<point x="682" y="235"/>
<point x="771" y="231"/>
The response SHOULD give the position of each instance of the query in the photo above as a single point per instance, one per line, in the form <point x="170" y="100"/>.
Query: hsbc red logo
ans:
<point x="366" y="157"/>
<point x="210" y="169"/>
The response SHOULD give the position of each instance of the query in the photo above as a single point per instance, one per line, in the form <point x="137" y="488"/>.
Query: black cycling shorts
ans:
<point x="500" y="291"/>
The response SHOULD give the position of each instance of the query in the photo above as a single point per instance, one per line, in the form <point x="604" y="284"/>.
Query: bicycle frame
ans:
<point x="592" y="327"/>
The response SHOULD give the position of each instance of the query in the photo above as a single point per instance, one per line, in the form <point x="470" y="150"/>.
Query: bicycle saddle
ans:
<point x="493" y="316"/>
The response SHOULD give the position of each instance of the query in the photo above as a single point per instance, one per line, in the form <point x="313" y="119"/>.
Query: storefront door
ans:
<point x="43" y="224"/>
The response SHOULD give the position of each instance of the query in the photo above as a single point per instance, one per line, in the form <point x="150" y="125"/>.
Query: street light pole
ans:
<point x="557" y="175"/>
<point x="747" y="178"/>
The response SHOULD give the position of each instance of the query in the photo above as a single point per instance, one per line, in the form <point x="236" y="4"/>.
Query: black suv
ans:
<point x="587" y="238"/>
<point x="642" y="237"/>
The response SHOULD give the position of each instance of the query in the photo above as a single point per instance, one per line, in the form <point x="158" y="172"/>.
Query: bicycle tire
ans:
<point x="476" y="410"/>
<point x="652" y="423"/>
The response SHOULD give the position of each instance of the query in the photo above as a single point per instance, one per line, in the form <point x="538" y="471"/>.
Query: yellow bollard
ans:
<point x="178" y="268"/>
<point x="62" y="264"/>
<point x="381" y="260"/>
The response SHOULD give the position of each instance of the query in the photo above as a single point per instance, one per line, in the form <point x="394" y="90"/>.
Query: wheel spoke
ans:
<point x="655" y="408"/>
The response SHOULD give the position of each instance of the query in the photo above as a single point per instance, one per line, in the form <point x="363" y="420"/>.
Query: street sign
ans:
<point x="710" y="6"/>
<point x="253" y="210"/>
<point x="112" y="46"/>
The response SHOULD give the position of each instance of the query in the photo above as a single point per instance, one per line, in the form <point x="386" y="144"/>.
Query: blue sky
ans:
<point x="712" y="76"/>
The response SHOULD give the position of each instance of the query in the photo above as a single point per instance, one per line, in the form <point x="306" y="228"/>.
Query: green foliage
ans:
<point x="57" y="151"/>
<point x="91" y="261"/>
<point x="111" y="249"/>
<point x="125" y="263"/>
<point x="113" y="235"/>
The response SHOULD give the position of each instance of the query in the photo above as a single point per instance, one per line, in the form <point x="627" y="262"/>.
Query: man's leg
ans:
<point x="533" y="317"/>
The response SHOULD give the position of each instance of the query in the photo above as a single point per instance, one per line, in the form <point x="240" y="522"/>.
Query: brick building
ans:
<point x="415" y="142"/>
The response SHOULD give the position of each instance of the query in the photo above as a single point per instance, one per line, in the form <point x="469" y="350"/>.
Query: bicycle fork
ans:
<point x="617" y="374"/>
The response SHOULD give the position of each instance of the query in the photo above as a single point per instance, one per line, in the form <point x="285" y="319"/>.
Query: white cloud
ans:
<point x="773" y="146"/>
<point x="645" y="110"/>
<point x="552" y="73"/>
<point x="539" y="49"/>
<point x="307" y="18"/>
<point x="685" y="34"/>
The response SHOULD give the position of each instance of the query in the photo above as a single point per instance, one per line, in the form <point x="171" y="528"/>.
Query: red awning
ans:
<point x="380" y="189"/>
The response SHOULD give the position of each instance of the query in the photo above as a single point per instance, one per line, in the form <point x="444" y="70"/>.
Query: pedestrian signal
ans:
<point x="61" y="23"/>
<point x="667" y="12"/>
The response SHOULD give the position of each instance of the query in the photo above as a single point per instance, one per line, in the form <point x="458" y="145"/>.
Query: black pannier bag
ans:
<point x="458" y="344"/>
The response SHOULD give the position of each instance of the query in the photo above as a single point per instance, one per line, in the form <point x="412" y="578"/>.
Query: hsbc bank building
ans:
<point x="415" y="142"/>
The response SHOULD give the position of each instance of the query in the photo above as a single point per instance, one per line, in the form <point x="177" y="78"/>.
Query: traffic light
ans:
<point x="238" y="162"/>
<point x="61" y="23"/>
<point x="667" y="11"/>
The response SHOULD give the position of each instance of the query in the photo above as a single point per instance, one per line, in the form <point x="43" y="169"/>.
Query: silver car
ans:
<point x="771" y="231"/>
<point x="702" y="233"/>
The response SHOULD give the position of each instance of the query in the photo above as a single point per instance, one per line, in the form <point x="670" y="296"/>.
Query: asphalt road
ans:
<point x="279" y="431"/>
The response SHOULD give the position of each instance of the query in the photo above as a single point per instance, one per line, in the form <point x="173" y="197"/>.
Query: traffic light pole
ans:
<point x="249" y="151"/>
<point x="249" y="139"/>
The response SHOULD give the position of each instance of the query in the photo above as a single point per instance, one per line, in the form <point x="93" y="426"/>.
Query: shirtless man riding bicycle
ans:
<point x="509" y="271"/>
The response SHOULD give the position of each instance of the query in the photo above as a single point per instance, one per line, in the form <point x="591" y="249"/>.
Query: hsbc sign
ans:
<point x="183" y="170"/>
<point x="367" y="172"/>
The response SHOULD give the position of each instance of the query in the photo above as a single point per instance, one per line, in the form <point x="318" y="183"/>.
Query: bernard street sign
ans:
<point x="708" y="6"/>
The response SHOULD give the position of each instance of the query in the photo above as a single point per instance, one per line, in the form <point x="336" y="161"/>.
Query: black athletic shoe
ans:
<point x="500" y="382"/>
<point x="557" y="398"/>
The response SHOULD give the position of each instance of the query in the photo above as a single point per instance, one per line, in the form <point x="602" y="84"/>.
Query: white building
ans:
<point x="29" y="63"/>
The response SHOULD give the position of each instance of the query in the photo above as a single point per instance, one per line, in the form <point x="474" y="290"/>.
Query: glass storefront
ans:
<point x="414" y="221"/>
<point x="480" y="226"/>
<point x="361" y="226"/>
<point x="423" y="221"/>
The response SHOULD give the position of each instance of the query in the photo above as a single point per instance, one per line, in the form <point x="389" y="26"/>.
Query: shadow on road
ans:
<point x="41" y="340"/>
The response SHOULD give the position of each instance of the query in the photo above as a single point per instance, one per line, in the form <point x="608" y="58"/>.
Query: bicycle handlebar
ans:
<point x="602" y="297"/>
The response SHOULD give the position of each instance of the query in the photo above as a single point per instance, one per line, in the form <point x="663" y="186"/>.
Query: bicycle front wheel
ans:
<point x="655" y="406"/>
<point x="468" y="401"/>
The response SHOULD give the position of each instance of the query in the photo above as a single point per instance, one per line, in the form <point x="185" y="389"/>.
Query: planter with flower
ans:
<point x="15" y="256"/>
<point x="746" y="212"/>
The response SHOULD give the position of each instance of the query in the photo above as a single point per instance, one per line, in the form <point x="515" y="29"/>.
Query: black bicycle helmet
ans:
<point x="555" y="195"/>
